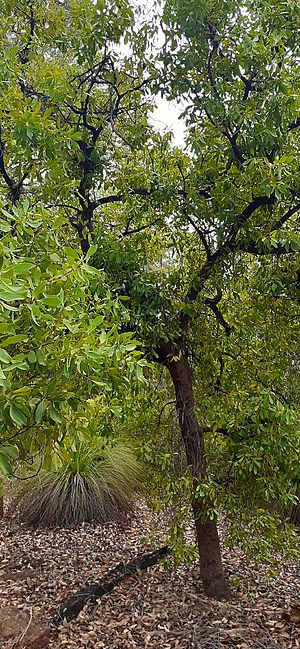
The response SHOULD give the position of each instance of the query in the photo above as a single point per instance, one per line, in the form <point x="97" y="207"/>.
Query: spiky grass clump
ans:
<point x="94" y="483"/>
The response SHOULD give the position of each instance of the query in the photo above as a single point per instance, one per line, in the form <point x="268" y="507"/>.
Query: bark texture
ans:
<point x="177" y="362"/>
<point x="71" y="607"/>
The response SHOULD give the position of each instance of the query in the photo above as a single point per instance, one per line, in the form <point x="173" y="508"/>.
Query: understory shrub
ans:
<point x="93" y="482"/>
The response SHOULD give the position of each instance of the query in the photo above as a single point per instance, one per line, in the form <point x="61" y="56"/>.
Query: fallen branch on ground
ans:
<point x="70" y="608"/>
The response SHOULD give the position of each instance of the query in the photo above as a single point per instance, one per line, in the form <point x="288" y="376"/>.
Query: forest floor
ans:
<point x="155" y="609"/>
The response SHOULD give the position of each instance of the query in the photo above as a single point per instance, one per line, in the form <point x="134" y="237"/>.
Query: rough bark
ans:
<point x="177" y="362"/>
<point x="70" y="608"/>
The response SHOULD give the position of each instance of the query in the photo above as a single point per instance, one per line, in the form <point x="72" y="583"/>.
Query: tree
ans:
<point x="190" y="243"/>
<point x="60" y="343"/>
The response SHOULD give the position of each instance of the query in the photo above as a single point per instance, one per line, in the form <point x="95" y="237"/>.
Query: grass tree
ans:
<point x="90" y="480"/>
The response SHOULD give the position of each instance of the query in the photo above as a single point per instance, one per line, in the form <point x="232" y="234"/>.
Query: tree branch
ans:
<point x="212" y="303"/>
<point x="253" y="248"/>
<point x="201" y="236"/>
<point x="294" y="124"/>
<point x="229" y="245"/>
<point x="291" y="211"/>
<point x="135" y="191"/>
<point x="9" y="181"/>
<point x="127" y="232"/>
<point x="24" y="53"/>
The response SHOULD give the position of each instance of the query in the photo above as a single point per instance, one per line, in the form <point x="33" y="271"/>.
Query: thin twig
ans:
<point x="20" y="638"/>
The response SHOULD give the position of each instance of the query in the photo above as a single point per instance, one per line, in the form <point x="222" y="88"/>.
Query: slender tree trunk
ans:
<point x="193" y="437"/>
<point x="1" y="498"/>
<point x="294" y="513"/>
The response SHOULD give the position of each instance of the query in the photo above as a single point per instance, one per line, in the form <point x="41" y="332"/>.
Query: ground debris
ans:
<point x="154" y="610"/>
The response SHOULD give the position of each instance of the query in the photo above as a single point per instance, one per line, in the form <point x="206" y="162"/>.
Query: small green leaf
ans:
<point x="11" y="296"/>
<point x="91" y="251"/>
<point x="22" y="268"/>
<point x="13" y="340"/>
<point x="55" y="414"/>
<point x="40" y="357"/>
<point x="11" y="451"/>
<point x="295" y="245"/>
<point x="5" y="357"/>
<point x="51" y="300"/>
<point x="35" y="313"/>
<point x="39" y="412"/>
<point x="17" y="415"/>
<point x="71" y="253"/>
<point x="5" y="465"/>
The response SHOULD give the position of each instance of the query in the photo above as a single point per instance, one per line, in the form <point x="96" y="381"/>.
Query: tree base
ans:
<point x="217" y="588"/>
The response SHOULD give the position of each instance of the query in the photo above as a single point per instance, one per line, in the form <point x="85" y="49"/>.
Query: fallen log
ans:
<point x="71" y="606"/>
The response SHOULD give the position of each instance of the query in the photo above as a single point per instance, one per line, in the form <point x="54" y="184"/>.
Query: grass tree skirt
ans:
<point x="94" y="483"/>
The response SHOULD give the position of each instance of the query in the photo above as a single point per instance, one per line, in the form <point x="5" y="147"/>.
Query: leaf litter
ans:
<point x="156" y="609"/>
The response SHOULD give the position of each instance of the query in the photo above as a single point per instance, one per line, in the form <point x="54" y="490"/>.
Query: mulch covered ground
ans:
<point x="155" y="609"/>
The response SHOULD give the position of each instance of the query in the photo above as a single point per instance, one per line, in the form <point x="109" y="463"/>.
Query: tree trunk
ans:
<point x="294" y="513"/>
<point x="1" y="498"/>
<point x="193" y="437"/>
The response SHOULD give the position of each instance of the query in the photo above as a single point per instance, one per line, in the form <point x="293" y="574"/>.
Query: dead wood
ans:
<point x="71" y="607"/>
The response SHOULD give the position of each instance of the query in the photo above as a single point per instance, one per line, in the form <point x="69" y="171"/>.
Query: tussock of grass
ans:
<point x="96" y="484"/>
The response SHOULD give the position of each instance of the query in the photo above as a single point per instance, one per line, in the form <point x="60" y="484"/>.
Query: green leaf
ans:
<point x="17" y="415"/>
<point x="130" y="347"/>
<point x="295" y="245"/>
<point x="5" y="383"/>
<point x="71" y="253"/>
<point x="4" y="356"/>
<point x="31" y="357"/>
<point x="5" y="465"/>
<point x="40" y="357"/>
<point x="19" y="293"/>
<point x="51" y="300"/>
<point x="55" y="414"/>
<point x="11" y="451"/>
<point x="4" y="226"/>
<point x="39" y="412"/>
<point x="13" y="340"/>
<point x="91" y="251"/>
<point x="35" y="313"/>
<point x="22" y="268"/>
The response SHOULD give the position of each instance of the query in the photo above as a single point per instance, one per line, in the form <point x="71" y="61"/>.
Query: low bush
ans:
<point x="93" y="482"/>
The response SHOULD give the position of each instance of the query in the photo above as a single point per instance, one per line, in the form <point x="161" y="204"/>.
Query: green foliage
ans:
<point x="89" y="481"/>
<point x="58" y="333"/>
<point x="113" y="242"/>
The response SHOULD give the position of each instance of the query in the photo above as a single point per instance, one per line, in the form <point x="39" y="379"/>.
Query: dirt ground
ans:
<point x="155" y="609"/>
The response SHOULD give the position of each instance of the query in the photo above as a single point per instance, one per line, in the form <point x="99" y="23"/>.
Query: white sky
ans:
<point x="166" y="117"/>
